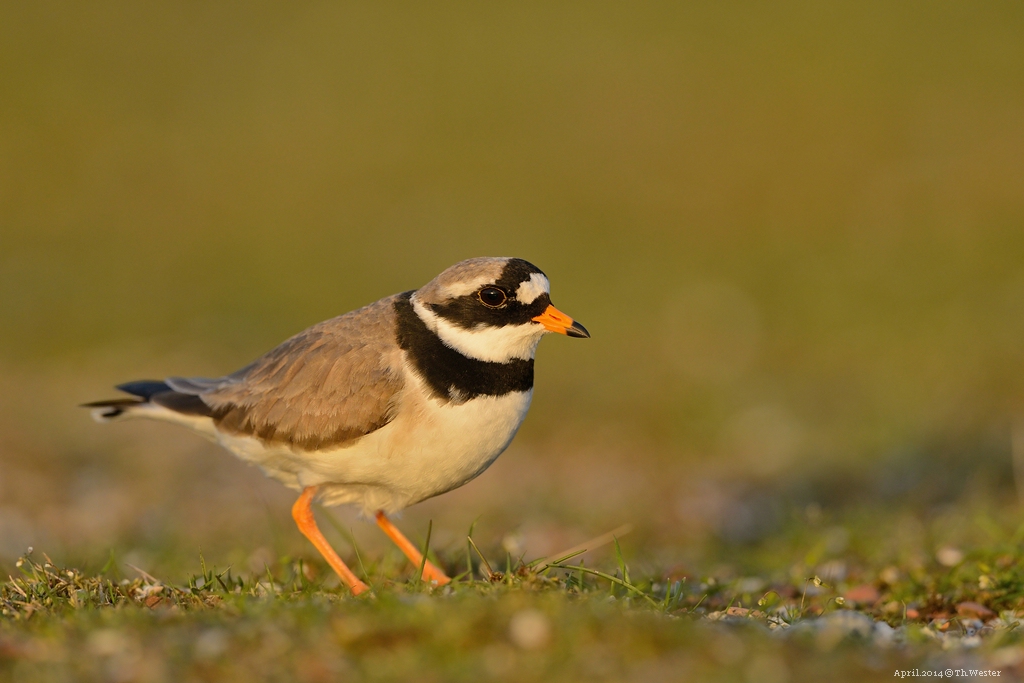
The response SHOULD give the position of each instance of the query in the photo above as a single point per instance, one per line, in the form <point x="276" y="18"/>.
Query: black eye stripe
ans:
<point x="466" y="311"/>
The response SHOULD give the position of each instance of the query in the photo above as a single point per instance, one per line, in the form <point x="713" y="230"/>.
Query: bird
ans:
<point x="383" y="407"/>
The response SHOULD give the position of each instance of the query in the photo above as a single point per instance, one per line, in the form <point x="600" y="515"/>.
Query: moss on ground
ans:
<point x="568" y="621"/>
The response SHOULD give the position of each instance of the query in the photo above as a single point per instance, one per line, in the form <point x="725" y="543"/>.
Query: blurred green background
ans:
<point x="796" y="233"/>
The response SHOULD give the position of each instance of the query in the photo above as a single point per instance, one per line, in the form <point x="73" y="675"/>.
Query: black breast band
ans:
<point x="450" y="375"/>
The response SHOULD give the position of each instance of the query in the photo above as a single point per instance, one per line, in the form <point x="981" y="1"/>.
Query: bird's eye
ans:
<point x="492" y="296"/>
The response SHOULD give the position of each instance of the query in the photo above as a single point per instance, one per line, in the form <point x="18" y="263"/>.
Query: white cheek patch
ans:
<point x="494" y="344"/>
<point x="531" y="289"/>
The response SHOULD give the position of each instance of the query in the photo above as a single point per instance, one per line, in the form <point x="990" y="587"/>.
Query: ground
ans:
<point x="898" y="596"/>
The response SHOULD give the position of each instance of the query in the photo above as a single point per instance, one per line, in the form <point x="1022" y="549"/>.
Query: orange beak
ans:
<point x="554" y="320"/>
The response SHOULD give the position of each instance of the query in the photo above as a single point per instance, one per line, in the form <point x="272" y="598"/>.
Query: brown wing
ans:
<point x="324" y="387"/>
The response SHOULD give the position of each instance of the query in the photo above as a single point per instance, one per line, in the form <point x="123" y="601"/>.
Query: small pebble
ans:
<point x="529" y="629"/>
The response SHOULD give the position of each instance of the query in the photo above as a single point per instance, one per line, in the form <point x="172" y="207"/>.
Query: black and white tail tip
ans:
<point x="147" y="393"/>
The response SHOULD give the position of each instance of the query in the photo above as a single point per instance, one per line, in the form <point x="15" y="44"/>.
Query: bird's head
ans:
<point x="492" y="309"/>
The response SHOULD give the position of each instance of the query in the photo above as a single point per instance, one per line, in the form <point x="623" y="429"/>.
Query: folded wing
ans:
<point x="325" y="387"/>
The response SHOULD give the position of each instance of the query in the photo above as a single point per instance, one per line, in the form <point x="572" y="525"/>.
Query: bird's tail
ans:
<point x="147" y="395"/>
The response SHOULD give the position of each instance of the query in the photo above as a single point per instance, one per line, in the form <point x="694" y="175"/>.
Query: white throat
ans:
<point x="494" y="344"/>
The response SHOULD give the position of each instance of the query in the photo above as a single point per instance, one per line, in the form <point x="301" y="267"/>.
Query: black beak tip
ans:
<point x="577" y="330"/>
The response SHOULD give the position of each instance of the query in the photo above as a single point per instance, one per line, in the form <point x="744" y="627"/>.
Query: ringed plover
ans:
<point x="382" y="407"/>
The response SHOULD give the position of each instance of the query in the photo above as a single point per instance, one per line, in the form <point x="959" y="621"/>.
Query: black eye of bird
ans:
<point x="492" y="296"/>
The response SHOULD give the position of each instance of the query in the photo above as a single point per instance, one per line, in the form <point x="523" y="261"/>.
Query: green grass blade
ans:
<point x="622" y="563"/>
<point x="614" y="579"/>
<point x="426" y="549"/>
<point x="483" y="560"/>
<point x="350" y="537"/>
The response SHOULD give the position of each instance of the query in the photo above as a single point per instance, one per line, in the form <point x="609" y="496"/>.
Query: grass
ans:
<point x="558" y="618"/>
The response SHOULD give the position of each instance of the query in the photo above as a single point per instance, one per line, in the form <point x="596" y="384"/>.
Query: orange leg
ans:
<point x="430" y="571"/>
<point x="302" y="513"/>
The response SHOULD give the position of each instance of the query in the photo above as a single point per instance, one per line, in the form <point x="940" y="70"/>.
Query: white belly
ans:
<point x="428" y="449"/>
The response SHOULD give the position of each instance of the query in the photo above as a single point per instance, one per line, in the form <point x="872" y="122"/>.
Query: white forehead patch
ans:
<point x="531" y="289"/>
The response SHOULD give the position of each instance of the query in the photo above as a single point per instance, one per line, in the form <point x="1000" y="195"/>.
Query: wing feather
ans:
<point x="325" y="387"/>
